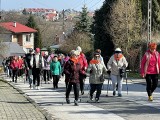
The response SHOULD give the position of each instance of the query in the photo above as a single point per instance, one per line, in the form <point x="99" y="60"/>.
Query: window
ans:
<point x="28" y="36"/>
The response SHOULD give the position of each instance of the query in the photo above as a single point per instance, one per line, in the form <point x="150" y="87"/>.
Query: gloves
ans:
<point x="109" y="72"/>
<point x="91" y="71"/>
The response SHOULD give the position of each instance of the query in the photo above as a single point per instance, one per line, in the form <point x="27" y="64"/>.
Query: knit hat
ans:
<point x="152" y="46"/>
<point x="79" y="49"/>
<point x="37" y="50"/>
<point x="98" y="50"/>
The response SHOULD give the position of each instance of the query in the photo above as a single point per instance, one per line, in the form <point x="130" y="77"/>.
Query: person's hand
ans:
<point x="142" y="75"/>
<point x="109" y="72"/>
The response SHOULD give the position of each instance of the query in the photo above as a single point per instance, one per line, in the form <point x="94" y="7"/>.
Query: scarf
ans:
<point x="94" y="61"/>
<point x="75" y="60"/>
<point x="117" y="57"/>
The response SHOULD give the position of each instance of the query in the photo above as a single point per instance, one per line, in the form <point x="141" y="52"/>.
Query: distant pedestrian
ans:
<point x="15" y="68"/>
<point x="97" y="71"/>
<point x="117" y="65"/>
<point x="66" y="58"/>
<point x="150" y="66"/>
<point x="56" y="70"/>
<point x="73" y="69"/>
<point x="46" y="68"/>
<point x="28" y="66"/>
<point x="37" y="63"/>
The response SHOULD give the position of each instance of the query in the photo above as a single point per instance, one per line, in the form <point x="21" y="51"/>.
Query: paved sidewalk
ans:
<point x="52" y="103"/>
<point x="14" y="106"/>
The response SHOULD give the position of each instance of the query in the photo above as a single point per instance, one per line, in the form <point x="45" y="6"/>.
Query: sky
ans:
<point x="55" y="4"/>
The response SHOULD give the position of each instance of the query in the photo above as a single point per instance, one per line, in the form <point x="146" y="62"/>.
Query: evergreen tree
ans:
<point x="84" y="24"/>
<point x="102" y="38"/>
<point x="37" y="39"/>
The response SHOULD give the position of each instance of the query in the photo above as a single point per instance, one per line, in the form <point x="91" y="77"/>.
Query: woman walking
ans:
<point x="56" y="70"/>
<point x="73" y="69"/>
<point x="150" y="66"/>
<point x="96" y="69"/>
<point x="117" y="65"/>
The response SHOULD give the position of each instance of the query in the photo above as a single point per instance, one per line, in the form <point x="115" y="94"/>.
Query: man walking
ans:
<point x="37" y="63"/>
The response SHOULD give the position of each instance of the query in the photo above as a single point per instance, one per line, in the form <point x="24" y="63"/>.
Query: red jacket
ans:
<point x="15" y="64"/>
<point x="83" y="61"/>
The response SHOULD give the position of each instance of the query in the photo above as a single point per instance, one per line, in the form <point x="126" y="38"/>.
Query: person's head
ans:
<point x="117" y="51"/>
<point x="42" y="53"/>
<point x="98" y="51"/>
<point x="79" y="49"/>
<point x="96" y="56"/>
<point x="15" y="58"/>
<point x="55" y="58"/>
<point x="74" y="53"/>
<point x="46" y="53"/>
<point x="52" y="55"/>
<point x="31" y="51"/>
<point x="37" y="50"/>
<point x="152" y="46"/>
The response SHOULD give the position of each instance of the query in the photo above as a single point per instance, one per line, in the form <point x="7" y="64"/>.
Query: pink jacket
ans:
<point x="150" y="63"/>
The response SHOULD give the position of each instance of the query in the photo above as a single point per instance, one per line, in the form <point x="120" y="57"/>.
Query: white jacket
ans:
<point x="114" y="65"/>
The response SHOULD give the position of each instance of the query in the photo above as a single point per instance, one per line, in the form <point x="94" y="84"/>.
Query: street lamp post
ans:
<point x="149" y="20"/>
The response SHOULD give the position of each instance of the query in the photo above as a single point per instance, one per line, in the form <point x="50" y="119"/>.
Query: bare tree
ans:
<point x="78" y="39"/>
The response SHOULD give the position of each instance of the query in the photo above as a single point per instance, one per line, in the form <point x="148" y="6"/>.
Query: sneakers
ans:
<point x="76" y="102"/>
<point x="150" y="98"/>
<point x="97" y="100"/>
<point x="119" y="95"/>
<point x="82" y="92"/>
<point x="68" y="101"/>
<point x="38" y="87"/>
<point x="91" y="98"/>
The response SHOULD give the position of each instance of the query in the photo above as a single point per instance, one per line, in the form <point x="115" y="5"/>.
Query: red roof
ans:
<point x="18" y="29"/>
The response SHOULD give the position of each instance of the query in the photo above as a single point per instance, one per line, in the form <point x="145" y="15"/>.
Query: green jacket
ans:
<point x="55" y="68"/>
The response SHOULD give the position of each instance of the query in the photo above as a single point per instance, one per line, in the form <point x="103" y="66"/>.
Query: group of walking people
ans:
<point x="76" y="68"/>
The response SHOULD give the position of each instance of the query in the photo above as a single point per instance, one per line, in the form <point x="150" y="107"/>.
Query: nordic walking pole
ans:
<point x="107" y="86"/>
<point x="108" y="83"/>
<point x="127" y="82"/>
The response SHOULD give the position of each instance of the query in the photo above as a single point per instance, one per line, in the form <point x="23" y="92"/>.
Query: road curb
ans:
<point x="47" y="115"/>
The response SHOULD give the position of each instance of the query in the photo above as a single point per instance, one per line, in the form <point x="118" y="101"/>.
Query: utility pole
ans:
<point x="63" y="21"/>
<point x="63" y="25"/>
<point x="0" y="11"/>
<point x="149" y="21"/>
